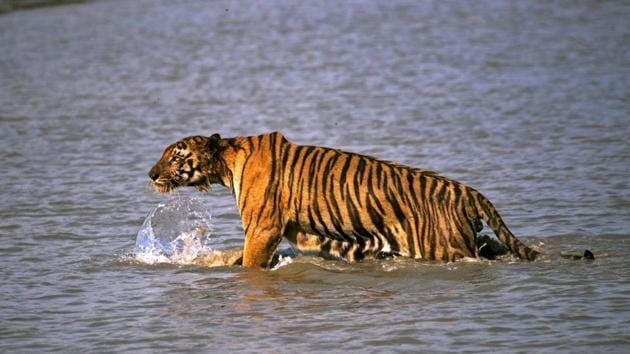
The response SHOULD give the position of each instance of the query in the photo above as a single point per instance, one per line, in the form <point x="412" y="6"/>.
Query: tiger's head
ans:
<point x="189" y="162"/>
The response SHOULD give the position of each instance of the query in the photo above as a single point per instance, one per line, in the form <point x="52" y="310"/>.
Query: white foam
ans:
<point x="282" y="262"/>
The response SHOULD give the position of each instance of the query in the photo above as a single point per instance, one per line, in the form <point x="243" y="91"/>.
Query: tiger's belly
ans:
<point x="349" y="249"/>
<point x="351" y="230"/>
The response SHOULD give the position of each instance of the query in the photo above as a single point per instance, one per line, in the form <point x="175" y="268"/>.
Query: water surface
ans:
<point x="525" y="101"/>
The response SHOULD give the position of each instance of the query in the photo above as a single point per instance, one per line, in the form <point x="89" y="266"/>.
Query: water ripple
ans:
<point x="526" y="102"/>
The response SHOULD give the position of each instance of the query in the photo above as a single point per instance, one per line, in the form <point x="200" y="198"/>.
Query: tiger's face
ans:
<point x="187" y="162"/>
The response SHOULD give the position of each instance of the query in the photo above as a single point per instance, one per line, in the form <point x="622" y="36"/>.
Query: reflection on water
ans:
<point x="525" y="101"/>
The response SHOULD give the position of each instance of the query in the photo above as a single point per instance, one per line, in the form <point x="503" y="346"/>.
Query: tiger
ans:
<point x="332" y="203"/>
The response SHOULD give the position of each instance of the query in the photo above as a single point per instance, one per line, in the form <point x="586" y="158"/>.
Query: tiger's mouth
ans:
<point x="166" y="186"/>
<point x="203" y="185"/>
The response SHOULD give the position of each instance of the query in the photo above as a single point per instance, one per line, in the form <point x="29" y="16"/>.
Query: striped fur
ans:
<point x="334" y="203"/>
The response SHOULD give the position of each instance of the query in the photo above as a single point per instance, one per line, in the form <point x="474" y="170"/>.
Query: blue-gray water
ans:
<point x="527" y="101"/>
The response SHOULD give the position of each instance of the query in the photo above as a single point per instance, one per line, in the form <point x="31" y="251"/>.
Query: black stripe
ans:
<point x="423" y="215"/>
<point x="393" y="173"/>
<point x="297" y="151"/>
<point x="457" y="196"/>
<point x="288" y="174"/>
<point x="315" y="168"/>
<point x="442" y="191"/>
<point x="376" y="217"/>
<point x="312" y="176"/>
<point x="358" y="177"/>
<point x="243" y="193"/>
<point x="250" y="141"/>
<point x="334" y="210"/>
<point x="393" y="201"/>
<point x="296" y="157"/>
<point x="325" y="246"/>
<point x="379" y="173"/>
<point x="393" y="243"/>
<point x="385" y="180"/>
<point x="344" y="174"/>
<point x="245" y="163"/>
<point x="326" y="172"/>
<point x="344" y="170"/>
<point x="307" y="152"/>
<point x="358" y="252"/>
<point x="273" y="181"/>
<point x="314" y="186"/>
<point x="301" y="180"/>
<point x="285" y="152"/>
<point x="357" y="227"/>
<point x="311" y="222"/>
<point x="379" y="206"/>
<point x="361" y="168"/>
<point x="411" y="179"/>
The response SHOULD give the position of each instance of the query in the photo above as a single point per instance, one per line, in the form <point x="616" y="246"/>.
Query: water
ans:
<point x="525" y="101"/>
<point x="176" y="231"/>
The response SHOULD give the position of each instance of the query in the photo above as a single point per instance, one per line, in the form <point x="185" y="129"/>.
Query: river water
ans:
<point x="526" y="101"/>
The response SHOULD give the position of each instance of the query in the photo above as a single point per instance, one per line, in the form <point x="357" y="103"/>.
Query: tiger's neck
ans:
<point x="227" y="171"/>
<point x="237" y="151"/>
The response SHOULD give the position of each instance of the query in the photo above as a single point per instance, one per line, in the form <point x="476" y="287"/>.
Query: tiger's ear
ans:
<point x="213" y="142"/>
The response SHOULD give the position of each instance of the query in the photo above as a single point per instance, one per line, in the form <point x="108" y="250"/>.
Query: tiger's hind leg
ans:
<point x="452" y="239"/>
<point x="491" y="248"/>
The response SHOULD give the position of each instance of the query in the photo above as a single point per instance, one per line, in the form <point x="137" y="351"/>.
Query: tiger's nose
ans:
<point x="154" y="175"/>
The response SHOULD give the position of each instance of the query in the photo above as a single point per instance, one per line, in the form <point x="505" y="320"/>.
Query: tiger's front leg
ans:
<point x="260" y="246"/>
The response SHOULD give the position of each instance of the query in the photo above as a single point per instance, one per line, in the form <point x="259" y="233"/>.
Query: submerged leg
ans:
<point x="260" y="246"/>
<point x="490" y="248"/>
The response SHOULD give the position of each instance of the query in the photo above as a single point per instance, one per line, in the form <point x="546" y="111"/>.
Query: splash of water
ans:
<point x="283" y="261"/>
<point x="177" y="231"/>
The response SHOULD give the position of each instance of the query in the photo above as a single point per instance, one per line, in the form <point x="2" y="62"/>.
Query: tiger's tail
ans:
<point x="489" y="214"/>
